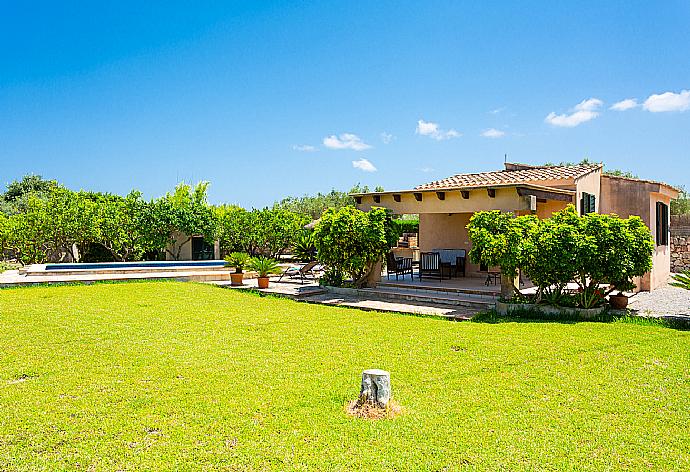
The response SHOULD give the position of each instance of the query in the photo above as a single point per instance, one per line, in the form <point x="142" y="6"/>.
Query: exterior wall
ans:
<point x="627" y="197"/>
<point x="548" y="208"/>
<point x="661" y="258"/>
<point x="506" y="199"/>
<point x="591" y="184"/>
<point x="444" y="231"/>
<point x="186" y="251"/>
<point x="680" y="243"/>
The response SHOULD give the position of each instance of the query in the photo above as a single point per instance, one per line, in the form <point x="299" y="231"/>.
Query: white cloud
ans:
<point x="364" y="165"/>
<point x="493" y="133"/>
<point x="496" y="111"/>
<point x="582" y="112"/>
<point x="626" y="104"/>
<point x="387" y="137"/>
<point x="345" y="141"/>
<point x="304" y="148"/>
<point x="668" y="101"/>
<point x="428" y="128"/>
<point x="426" y="169"/>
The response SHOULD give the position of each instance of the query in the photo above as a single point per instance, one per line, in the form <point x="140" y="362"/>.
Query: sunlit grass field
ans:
<point x="182" y="376"/>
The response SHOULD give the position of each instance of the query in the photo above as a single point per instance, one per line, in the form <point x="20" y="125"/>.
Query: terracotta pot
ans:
<point x="263" y="282"/>
<point x="236" y="279"/>
<point x="619" y="302"/>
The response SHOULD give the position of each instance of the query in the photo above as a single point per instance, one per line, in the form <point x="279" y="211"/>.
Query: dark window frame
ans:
<point x="588" y="203"/>
<point x="662" y="224"/>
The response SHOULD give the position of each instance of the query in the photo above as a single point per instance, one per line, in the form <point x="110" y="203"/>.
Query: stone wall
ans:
<point x="680" y="243"/>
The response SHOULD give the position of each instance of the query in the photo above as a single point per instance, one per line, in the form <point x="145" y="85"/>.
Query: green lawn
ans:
<point x="185" y="376"/>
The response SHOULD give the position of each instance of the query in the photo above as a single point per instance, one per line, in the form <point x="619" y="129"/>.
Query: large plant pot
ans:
<point x="619" y="302"/>
<point x="236" y="279"/>
<point x="263" y="282"/>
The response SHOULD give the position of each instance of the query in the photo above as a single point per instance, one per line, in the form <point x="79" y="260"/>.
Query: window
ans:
<point x="661" y="224"/>
<point x="588" y="203"/>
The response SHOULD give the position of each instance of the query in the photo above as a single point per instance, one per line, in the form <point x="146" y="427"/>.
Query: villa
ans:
<point x="445" y="206"/>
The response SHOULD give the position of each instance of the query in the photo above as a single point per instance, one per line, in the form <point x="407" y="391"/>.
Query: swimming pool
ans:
<point x="133" y="265"/>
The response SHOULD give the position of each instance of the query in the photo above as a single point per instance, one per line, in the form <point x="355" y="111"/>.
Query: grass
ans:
<point x="162" y="376"/>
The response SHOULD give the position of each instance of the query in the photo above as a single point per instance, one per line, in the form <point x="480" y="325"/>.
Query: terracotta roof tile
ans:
<point x="525" y="174"/>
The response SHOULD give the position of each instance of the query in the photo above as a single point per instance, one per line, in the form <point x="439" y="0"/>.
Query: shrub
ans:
<point x="238" y="260"/>
<point x="682" y="280"/>
<point x="304" y="248"/>
<point x="591" y="250"/>
<point x="499" y="239"/>
<point x="351" y="242"/>
<point x="264" y="266"/>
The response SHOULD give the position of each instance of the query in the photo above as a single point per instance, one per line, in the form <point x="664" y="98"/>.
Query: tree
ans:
<point x="121" y="226"/>
<point x="499" y="239"/>
<point x="551" y="252"/>
<point x="180" y="216"/>
<point x="353" y="242"/>
<point x="72" y="218"/>
<point x="233" y="228"/>
<point x="30" y="184"/>
<point x="28" y="232"/>
<point x="273" y="231"/>
<point x="681" y="205"/>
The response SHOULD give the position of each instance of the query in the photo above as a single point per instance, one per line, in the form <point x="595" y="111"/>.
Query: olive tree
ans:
<point x="500" y="239"/>
<point x="352" y="242"/>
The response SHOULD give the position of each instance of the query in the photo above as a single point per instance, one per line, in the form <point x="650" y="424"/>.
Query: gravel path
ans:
<point x="664" y="301"/>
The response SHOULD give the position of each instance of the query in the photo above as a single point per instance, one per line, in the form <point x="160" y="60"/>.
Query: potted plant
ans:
<point x="264" y="267"/>
<point x="619" y="301"/>
<point x="237" y="260"/>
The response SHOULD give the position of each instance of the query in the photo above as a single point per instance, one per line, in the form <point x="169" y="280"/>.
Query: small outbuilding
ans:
<point x="445" y="206"/>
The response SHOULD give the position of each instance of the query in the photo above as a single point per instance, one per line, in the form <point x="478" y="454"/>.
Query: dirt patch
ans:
<point x="373" y="412"/>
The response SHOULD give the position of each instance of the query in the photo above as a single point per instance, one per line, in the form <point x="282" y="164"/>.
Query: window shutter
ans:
<point x="592" y="204"/>
<point x="661" y="224"/>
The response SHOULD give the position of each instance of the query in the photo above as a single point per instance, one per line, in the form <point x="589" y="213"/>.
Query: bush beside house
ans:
<point x="600" y="253"/>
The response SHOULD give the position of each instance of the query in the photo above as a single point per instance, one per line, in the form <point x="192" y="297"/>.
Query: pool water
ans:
<point x="127" y="265"/>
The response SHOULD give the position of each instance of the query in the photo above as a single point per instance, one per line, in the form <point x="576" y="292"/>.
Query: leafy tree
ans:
<point x="30" y="184"/>
<point x="681" y="205"/>
<point x="613" y="250"/>
<point x="121" y="226"/>
<point x="28" y="232"/>
<point x="234" y="228"/>
<point x="72" y="221"/>
<point x="352" y="242"/>
<point x="551" y="252"/>
<point x="179" y="216"/>
<point x="499" y="239"/>
<point x="273" y="231"/>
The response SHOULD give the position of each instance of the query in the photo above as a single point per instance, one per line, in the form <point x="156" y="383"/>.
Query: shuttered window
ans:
<point x="661" y="224"/>
<point x="588" y="203"/>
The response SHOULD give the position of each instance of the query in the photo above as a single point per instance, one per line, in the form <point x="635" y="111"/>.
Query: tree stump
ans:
<point x="376" y="388"/>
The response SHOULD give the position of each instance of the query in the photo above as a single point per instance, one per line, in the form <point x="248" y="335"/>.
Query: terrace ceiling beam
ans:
<point x="544" y="194"/>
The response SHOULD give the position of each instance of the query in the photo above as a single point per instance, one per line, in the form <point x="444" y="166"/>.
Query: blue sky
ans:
<point x="269" y="99"/>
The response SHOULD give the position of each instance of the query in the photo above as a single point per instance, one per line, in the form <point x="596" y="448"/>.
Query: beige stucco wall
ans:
<point x="627" y="198"/>
<point x="591" y="184"/>
<point x="444" y="231"/>
<point x="186" y="251"/>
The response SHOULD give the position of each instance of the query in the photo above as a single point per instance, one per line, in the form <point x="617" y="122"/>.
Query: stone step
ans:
<point x="439" y="298"/>
<point x="480" y="292"/>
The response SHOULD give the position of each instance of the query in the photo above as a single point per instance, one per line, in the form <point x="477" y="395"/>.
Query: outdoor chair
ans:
<point x="430" y="265"/>
<point x="303" y="271"/>
<point x="398" y="265"/>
